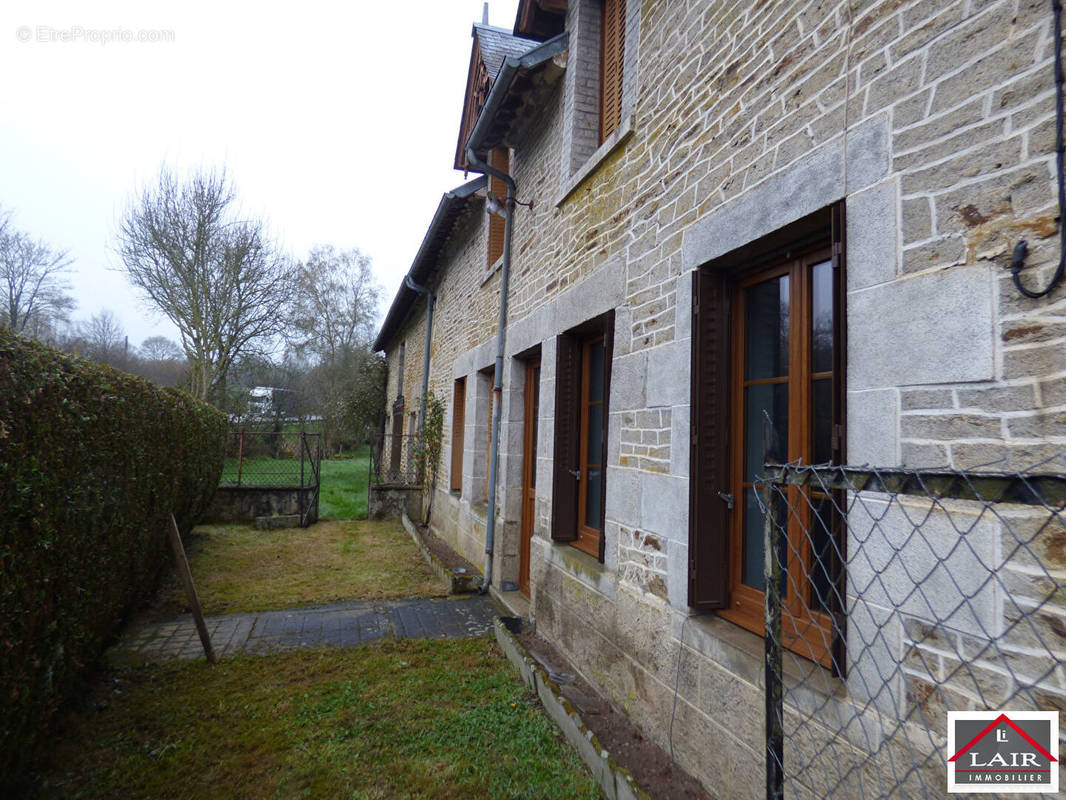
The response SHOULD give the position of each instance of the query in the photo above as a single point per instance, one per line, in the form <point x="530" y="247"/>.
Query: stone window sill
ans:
<point x="613" y="142"/>
<point x="743" y="653"/>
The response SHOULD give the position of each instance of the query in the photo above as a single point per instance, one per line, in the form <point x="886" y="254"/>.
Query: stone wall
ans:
<point x="245" y="503"/>
<point x="933" y="120"/>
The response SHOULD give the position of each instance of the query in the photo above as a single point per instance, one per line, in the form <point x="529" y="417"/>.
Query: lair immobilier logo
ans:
<point x="1012" y="752"/>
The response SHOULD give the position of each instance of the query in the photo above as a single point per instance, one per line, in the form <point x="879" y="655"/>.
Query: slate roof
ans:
<point x="499" y="43"/>
<point x="521" y="86"/>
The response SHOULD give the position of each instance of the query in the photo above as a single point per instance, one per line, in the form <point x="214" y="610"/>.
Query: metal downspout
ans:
<point x="430" y="302"/>
<point x="497" y="383"/>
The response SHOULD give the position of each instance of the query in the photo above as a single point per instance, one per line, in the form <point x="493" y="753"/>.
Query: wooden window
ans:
<point x="768" y="386"/>
<point x="458" y="427"/>
<point x="612" y="56"/>
<point x="583" y="382"/>
<point x="499" y="158"/>
<point x="488" y="428"/>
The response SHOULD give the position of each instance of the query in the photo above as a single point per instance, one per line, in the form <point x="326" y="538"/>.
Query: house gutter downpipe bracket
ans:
<point x="501" y="338"/>
<point x="430" y="301"/>
<point x="1021" y="248"/>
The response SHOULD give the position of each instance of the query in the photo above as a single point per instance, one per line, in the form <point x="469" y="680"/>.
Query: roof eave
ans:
<point x="452" y="205"/>
<point x="507" y="90"/>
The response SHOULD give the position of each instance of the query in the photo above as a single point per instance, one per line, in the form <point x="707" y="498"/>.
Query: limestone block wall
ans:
<point x="933" y="121"/>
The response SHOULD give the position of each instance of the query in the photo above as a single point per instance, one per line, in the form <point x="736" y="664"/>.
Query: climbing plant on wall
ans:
<point x="430" y="442"/>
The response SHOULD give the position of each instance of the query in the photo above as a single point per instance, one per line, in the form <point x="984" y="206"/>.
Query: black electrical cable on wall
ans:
<point x="1018" y="258"/>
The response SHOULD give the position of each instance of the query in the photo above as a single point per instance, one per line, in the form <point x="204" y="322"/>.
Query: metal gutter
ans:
<point x="451" y="206"/>
<point x="498" y="94"/>
<point x="513" y="67"/>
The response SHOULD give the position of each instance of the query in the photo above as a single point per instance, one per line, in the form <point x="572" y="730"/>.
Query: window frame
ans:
<point x="490" y="373"/>
<point x="589" y="538"/>
<point x="717" y="457"/>
<point x="499" y="158"/>
<point x="570" y="451"/>
<point x="806" y="631"/>
<point x="455" y="478"/>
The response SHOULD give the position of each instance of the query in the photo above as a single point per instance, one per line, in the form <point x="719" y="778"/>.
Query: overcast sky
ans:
<point x="336" y="121"/>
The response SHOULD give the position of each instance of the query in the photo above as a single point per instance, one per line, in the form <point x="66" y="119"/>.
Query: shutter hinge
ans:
<point x="838" y="434"/>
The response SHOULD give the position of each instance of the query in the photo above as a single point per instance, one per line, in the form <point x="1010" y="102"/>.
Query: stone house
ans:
<point x="776" y="230"/>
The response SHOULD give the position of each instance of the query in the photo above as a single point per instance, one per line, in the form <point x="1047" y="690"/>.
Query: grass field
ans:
<point x="401" y="719"/>
<point x="238" y="568"/>
<point x="343" y="491"/>
<point x="343" y="494"/>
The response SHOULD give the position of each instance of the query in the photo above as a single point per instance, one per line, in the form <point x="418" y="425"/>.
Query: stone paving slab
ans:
<point x="340" y="625"/>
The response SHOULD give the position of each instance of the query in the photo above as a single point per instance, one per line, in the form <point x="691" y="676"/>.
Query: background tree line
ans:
<point x="247" y="314"/>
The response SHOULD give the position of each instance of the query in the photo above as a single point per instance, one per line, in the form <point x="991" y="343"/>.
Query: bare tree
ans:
<point x="331" y="325"/>
<point x="32" y="279"/>
<point x="219" y="278"/>
<point x="160" y="348"/>
<point x="334" y="304"/>
<point x="105" y="339"/>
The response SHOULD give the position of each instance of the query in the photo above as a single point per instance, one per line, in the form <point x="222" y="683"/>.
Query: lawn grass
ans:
<point x="238" y="568"/>
<point x="400" y="719"/>
<point x="343" y="487"/>
<point x="343" y="494"/>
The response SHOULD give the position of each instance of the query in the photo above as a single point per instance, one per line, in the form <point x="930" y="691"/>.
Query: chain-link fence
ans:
<point x="395" y="460"/>
<point x="274" y="459"/>
<point x="893" y="597"/>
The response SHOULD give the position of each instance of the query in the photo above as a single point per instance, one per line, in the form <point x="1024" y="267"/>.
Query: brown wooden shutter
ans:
<point x="458" y="429"/>
<point x="567" y="431"/>
<point x="488" y="432"/>
<point x="608" y="354"/>
<point x="612" y="56"/>
<point x="499" y="159"/>
<point x="709" y="517"/>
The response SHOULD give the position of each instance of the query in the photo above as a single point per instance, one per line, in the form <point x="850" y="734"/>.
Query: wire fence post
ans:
<point x="776" y="548"/>
<point x="240" y="456"/>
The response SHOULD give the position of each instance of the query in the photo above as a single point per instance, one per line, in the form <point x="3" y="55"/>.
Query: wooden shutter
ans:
<point x="567" y="430"/>
<point x="708" y="571"/>
<point x="612" y="56"/>
<point x="458" y="429"/>
<point x="488" y="431"/>
<point x="499" y="159"/>
<point x="608" y="352"/>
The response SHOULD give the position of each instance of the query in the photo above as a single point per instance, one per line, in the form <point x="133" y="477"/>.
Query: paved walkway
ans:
<point x="340" y="625"/>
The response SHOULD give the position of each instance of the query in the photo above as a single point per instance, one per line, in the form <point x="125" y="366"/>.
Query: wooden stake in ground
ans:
<point x="190" y="590"/>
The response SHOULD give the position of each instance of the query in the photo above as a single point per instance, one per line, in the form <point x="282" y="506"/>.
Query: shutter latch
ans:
<point x="728" y="498"/>
<point x="576" y="473"/>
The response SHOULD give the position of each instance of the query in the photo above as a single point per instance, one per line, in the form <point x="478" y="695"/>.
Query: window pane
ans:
<point x="596" y="372"/>
<point x="753" y="567"/>
<point x="822" y="316"/>
<point x="592" y="497"/>
<point x="823" y="554"/>
<point x="822" y="419"/>
<point x="773" y="399"/>
<point x="595" y="435"/>
<point x="766" y="329"/>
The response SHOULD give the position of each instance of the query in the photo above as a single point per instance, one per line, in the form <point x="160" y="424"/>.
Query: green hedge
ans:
<point x="92" y="462"/>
